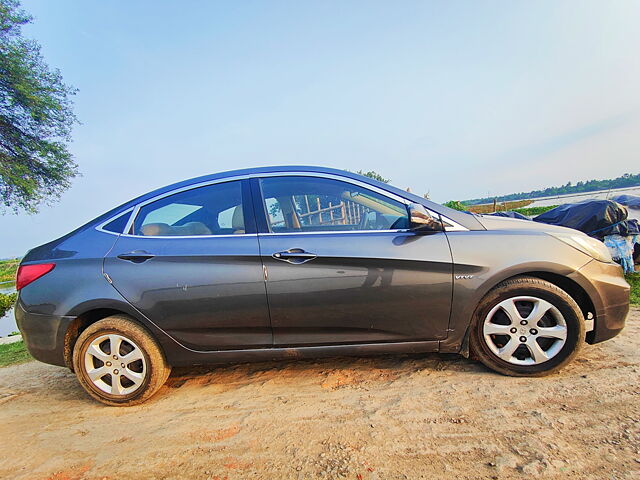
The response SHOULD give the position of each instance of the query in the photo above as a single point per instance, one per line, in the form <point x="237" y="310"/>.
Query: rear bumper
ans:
<point x="609" y="292"/>
<point x="43" y="334"/>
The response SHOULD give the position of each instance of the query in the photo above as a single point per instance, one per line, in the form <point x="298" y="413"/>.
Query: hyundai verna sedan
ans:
<point x="293" y="262"/>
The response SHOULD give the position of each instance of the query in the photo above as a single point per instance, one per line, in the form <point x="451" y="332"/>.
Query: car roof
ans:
<point x="257" y="171"/>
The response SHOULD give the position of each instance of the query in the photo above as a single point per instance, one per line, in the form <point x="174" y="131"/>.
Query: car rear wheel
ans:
<point x="118" y="362"/>
<point x="527" y="327"/>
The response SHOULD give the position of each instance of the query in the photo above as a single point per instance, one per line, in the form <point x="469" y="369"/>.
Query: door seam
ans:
<point x="265" y="269"/>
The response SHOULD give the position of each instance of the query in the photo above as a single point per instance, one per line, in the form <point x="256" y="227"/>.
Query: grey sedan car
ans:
<point x="295" y="262"/>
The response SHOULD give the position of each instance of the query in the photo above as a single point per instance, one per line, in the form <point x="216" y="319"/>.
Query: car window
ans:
<point x="117" y="225"/>
<point x="225" y="218"/>
<point x="313" y="204"/>
<point x="209" y="210"/>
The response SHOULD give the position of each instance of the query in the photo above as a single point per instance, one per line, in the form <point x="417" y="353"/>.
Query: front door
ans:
<point x="342" y="268"/>
<point x="191" y="264"/>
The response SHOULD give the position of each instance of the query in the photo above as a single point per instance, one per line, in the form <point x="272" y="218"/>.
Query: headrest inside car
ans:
<point x="163" y="229"/>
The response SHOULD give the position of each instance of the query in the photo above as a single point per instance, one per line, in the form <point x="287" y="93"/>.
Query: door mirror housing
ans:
<point x="421" y="221"/>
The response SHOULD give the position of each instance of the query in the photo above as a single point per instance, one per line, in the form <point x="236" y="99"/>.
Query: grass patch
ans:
<point x="634" y="281"/>
<point x="534" y="211"/>
<point x="8" y="269"/>
<point x="13" y="354"/>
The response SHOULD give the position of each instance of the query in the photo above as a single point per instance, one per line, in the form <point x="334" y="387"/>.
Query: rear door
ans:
<point x="190" y="262"/>
<point x="342" y="268"/>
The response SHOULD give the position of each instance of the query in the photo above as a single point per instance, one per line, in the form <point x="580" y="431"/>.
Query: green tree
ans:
<point x="36" y="118"/>
<point x="626" y="180"/>
<point x="374" y="175"/>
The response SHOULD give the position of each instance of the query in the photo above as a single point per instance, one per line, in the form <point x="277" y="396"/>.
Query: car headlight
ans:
<point x="590" y="246"/>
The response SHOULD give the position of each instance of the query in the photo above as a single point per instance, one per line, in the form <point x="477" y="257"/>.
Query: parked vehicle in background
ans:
<point x="285" y="262"/>
<point x="606" y="220"/>
<point x="632" y="202"/>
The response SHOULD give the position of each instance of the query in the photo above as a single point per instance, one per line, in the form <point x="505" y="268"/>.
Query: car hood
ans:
<point x="505" y="223"/>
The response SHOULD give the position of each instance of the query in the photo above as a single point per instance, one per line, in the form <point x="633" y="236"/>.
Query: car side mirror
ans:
<point x="421" y="221"/>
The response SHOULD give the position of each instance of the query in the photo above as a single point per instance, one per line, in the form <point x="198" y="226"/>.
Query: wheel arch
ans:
<point x="573" y="289"/>
<point x="93" y="314"/>
<point x="570" y="286"/>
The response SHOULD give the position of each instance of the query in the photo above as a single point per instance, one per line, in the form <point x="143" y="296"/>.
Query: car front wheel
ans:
<point x="527" y="326"/>
<point x="118" y="362"/>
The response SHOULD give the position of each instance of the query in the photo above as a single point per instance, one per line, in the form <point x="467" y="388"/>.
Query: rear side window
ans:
<point x="209" y="210"/>
<point x="118" y="224"/>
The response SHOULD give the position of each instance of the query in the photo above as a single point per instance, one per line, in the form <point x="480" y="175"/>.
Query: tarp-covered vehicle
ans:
<point x="606" y="220"/>
<point x="632" y="202"/>
<point x="629" y="201"/>
<point x="596" y="218"/>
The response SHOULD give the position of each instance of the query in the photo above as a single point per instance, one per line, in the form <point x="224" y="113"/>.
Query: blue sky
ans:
<point x="456" y="98"/>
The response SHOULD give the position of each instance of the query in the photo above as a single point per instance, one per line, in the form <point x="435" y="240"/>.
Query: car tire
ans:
<point x="543" y="321"/>
<point x="129" y="376"/>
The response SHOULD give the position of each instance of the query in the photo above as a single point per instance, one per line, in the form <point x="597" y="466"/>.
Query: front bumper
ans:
<point x="43" y="334"/>
<point x="609" y="292"/>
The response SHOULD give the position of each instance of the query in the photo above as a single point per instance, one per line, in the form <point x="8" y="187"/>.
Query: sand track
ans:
<point x="418" y="416"/>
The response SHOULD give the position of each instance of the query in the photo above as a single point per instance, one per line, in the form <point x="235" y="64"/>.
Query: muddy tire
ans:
<point x="526" y="327"/>
<point x="118" y="362"/>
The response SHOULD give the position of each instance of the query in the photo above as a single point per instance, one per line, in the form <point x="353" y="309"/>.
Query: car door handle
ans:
<point x="137" y="256"/>
<point x="295" y="256"/>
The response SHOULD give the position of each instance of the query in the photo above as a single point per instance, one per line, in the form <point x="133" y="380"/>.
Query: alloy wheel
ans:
<point x="525" y="330"/>
<point x="115" y="364"/>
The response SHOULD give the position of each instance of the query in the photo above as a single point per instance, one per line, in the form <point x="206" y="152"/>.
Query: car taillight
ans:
<point x="28" y="273"/>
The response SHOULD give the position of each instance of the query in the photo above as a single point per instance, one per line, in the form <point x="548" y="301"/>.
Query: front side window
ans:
<point x="209" y="210"/>
<point x="312" y="204"/>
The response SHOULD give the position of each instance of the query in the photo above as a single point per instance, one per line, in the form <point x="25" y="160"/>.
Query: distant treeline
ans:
<point x="626" y="180"/>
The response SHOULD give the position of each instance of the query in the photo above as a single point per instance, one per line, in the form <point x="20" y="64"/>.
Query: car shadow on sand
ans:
<point x="358" y="369"/>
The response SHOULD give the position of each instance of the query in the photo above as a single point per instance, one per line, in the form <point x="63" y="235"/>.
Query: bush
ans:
<point x="456" y="205"/>
<point x="6" y="302"/>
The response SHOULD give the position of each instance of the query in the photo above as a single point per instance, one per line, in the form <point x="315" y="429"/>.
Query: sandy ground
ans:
<point x="425" y="416"/>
